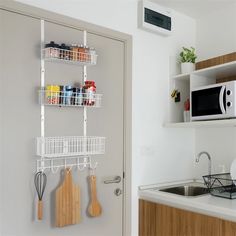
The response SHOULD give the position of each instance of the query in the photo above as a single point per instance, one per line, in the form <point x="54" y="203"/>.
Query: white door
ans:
<point x="20" y="111"/>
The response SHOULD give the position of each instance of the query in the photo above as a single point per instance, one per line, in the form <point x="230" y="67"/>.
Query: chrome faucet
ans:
<point x="209" y="160"/>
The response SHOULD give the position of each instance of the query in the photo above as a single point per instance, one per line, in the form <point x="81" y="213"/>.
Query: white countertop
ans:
<point x="204" y="204"/>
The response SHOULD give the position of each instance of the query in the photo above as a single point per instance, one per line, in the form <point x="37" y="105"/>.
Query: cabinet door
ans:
<point x="20" y="114"/>
<point x="161" y="220"/>
<point x="228" y="228"/>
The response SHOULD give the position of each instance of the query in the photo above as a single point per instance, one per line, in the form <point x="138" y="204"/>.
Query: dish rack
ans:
<point x="221" y="185"/>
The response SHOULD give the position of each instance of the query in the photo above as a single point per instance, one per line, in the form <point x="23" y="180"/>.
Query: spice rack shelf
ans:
<point x="60" y="98"/>
<point x="69" y="56"/>
<point x="53" y="147"/>
<point x="67" y="151"/>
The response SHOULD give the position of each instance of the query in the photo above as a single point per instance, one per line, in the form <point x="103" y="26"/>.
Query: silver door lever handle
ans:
<point x="116" y="179"/>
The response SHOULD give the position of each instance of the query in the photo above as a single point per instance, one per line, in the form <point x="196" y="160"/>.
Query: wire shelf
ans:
<point x="221" y="185"/>
<point x="69" y="56"/>
<point x="51" y="147"/>
<point x="72" y="99"/>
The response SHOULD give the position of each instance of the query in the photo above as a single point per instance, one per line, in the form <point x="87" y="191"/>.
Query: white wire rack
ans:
<point x="69" y="56"/>
<point x="51" y="147"/>
<point x="69" y="98"/>
<point x="54" y="164"/>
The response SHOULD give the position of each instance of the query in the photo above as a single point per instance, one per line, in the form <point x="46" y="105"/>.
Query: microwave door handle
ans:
<point x="221" y="99"/>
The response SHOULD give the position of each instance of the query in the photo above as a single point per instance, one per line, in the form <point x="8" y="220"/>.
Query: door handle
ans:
<point x="115" y="180"/>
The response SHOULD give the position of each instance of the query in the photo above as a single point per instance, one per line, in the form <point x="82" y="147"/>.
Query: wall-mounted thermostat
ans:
<point x="155" y="18"/>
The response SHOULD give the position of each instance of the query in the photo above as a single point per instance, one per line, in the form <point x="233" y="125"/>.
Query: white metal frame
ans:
<point x="83" y="158"/>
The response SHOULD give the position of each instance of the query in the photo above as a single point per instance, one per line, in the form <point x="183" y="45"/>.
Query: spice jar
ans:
<point x="67" y="53"/>
<point x="77" y="98"/>
<point x="74" y="52"/>
<point x="68" y="94"/>
<point x="52" y="94"/>
<point x="87" y="57"/>
<point x="90" y="90"/>
<point x="52" y="50"/>
<point x="81" y="53"/>
<point x="62" y="51"/>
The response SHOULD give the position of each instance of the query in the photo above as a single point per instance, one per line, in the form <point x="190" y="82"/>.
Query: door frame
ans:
<point x="127" y="117"/>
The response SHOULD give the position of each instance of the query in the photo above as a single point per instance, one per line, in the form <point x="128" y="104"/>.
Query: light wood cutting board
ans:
<point x="67" y="202"/>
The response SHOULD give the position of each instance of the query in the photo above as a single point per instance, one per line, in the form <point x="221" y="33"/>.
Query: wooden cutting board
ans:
<point x="67" y="202"/>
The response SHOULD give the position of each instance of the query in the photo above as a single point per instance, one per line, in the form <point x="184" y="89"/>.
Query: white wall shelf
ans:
<point x="225" y="70"/>
<point x="181" y="77"/>
<point x="184" y="83"/>
<point x="203" y="124"/>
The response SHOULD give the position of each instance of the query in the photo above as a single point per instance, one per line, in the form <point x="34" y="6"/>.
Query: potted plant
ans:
<point x="187" y="59"/>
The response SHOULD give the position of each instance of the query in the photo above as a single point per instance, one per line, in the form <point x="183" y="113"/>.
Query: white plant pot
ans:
<point x="187" y="67"/>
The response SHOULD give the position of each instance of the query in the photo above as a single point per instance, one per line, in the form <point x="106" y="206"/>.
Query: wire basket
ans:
<point x="51" y="147"/>
<point x="69" y="56"/>
<point x="221" y="185"/>
<point x="73" y="99"/>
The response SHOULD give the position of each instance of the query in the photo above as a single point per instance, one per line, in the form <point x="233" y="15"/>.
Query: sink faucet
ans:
<point x="209" y="160"/>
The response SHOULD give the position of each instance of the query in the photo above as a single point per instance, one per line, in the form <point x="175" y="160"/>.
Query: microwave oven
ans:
<point x="216" y="101"/>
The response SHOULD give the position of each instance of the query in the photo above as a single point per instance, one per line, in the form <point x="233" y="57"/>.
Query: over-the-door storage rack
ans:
<point x="56" y="152"/>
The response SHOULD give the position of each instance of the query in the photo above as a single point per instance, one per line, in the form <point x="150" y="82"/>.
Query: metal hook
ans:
<point x="92" y="168"/>
<point x="53" y="168"/>
<point x="65" y="166"/>
<point x="80" y="164"/>
<point x="69" y="167"/>
<point x="40" y="166"/>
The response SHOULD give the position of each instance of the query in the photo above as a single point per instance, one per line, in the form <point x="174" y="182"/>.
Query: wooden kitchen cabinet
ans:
<point x="161" y="220"/>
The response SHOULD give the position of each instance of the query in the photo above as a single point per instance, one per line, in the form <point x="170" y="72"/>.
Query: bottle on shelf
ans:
<point x="81" y="53"/>
<point x="52" y="50"/>
<point x="52" y="94"/>
<point x="74" y="52"/>
<point x="90" y="90"/>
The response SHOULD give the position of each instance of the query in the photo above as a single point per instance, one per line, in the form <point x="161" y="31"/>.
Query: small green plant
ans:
<point x="188" y="55"/>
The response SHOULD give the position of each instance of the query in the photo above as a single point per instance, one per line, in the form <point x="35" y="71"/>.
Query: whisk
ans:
<point x="40" y="181"/>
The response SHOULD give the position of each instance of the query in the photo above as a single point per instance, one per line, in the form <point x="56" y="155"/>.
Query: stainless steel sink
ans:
<point x="186" y="190"/>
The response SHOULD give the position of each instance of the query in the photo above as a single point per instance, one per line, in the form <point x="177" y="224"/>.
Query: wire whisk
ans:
<point x="40" y="181"/>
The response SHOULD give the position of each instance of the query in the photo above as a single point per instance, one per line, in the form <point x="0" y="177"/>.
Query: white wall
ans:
<point x="216" y="32"/>
<point x="220" y="143"/>
<point x="159" y="154"/>
<point x="216" y="35"/>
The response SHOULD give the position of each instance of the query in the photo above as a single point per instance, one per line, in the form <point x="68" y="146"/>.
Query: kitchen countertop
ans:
<point x="203" y="204"/>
